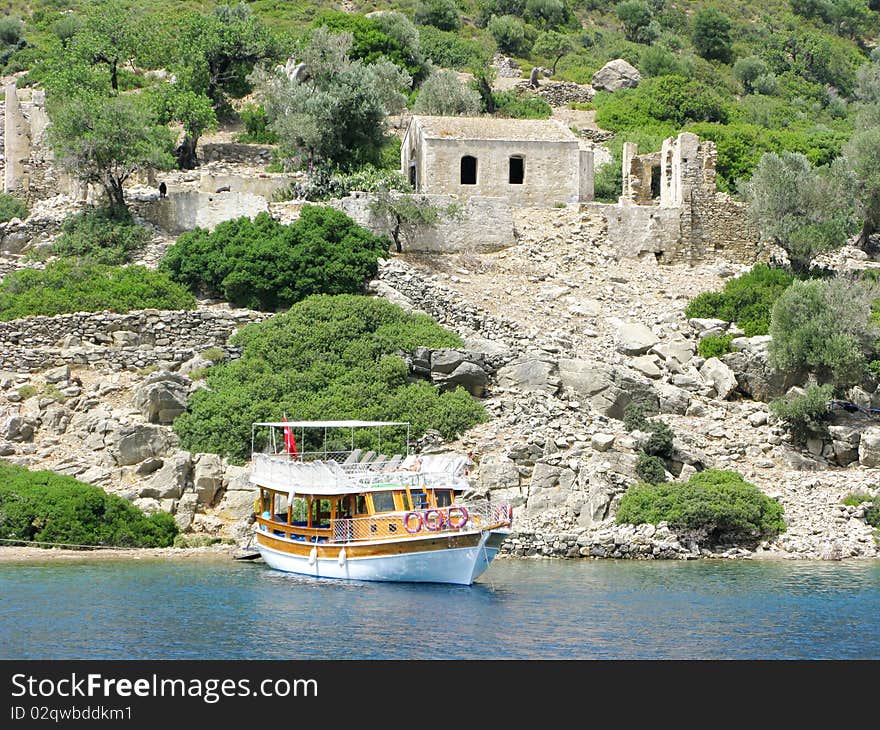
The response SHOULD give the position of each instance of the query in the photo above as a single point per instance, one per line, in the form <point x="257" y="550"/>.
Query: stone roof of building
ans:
<point x="493" y="128"/>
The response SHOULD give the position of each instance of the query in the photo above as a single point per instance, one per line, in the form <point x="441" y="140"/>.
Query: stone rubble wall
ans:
<point x="133" y="340"/>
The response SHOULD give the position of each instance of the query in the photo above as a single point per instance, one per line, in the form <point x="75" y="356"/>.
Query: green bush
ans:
<point x="72" y="286"/>
<point x="854" y="499"/>
<point x="872" y="514"/>
<point x="450" y="50"/>
<point x="825" y="327"/>
<point x="42" y="506"/>
<point x="651" y="469"/>
<point x="518" y="104"/>
<point x="747" y="299"/>
<point x="664" y="102"/>
<point x="635" y="417"/>
<point x="805" y="415"/>
<point x="329" y="357"/>
<point x="714" y="346"/>
<point x="11" y="207"/>
<point x="263" y="264"/>
<point x="636" y="17"/>
<point x="608" y="182"/>
<point x="509" y="33"/>
<point x="714" y="506"/>
<point x="660" y="442"/>
<point x="442" y="14"/>
<point x="11" y="30"/>
<point x="100" y="236"/>
<point x="256" y="126"/>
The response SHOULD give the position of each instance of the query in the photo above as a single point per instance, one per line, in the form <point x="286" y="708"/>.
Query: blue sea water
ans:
<point x="520" y="609"/>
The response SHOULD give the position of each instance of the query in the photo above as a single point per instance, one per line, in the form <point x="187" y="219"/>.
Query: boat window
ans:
<point x="383" y="501"/>
<point x="443" y="497"/>
<point x="361" y="504"/>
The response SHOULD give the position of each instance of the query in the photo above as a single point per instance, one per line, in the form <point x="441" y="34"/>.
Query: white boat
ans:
<point x="363" y="515"/>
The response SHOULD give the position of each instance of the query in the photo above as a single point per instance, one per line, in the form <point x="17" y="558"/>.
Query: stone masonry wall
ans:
<point x="481" y="224"/>
<point x="132" y="340"/>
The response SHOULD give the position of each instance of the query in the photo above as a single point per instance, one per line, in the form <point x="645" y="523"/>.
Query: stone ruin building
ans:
<point x="670" y="207"/>
<point x="527" y="162"/>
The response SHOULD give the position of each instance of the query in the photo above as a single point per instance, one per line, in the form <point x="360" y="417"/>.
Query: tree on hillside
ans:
<point x="442" y="14"/>
<point x="442" y="94"/>
<point x="105" y="140"/>
<point x="111" y="35"/>
<point x="553" y="44"/>
<point x="193" y="111"/>
<point x="804" y="210"/>
<point x="863" y="150"/>
<point x="219" y="49"/>
<point x="711" y="34"/>
<point x="337" y="112"/>
<point x="406" y="215"/>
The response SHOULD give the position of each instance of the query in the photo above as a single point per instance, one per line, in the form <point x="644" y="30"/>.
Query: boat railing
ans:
<point x="434" y="521"/>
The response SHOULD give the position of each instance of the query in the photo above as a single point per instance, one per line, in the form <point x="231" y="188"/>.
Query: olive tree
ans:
<point x="105" y="140"/>
<point x="803" y="209"/>
<point x="442" y="94"/>
<point x="193" y="111"/>
<point x="336" y="111"/>
<point x="553" y="44"/>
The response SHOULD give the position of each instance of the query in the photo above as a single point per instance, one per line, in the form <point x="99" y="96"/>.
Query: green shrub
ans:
<point x="518" y="104"/>
<point x="329" y="357"/>
<point x="11" y="30"/>
<point x="660" y="61"/>
<point x="872" y="514"/>
<point x="825" y="327"/>
<point x="509" y="33"/>
<point x="263" y="264"/>
<point x="450" y="50"/>
<point x="635" y="417"/>
<point x="854" y="499"/>
<point x="256" y="126"/>
<point x="650" y="469"/>
<point x="714" y="506"/>
<point x="660" y="442"/>
<point x="71" y="286"/>
<point x="608" y="182"/>
<point x="11" y="207"/>
<point x="214" y="354"/>
<point x="636" y="17"/>
<point x="42" y="506"/>
<point x="714" y="346"/>
<point x="442" y="14"/>
<point x="98" y="235"/>
<point x="806" y="416"/>
<point x="27" y="391"/>
<point x="747" y="299"/>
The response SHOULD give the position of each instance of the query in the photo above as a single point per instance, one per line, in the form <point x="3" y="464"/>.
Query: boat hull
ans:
<point x="459" y="565"/>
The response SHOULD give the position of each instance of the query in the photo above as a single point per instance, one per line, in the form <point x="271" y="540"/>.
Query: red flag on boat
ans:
<point x="289" y="439"/>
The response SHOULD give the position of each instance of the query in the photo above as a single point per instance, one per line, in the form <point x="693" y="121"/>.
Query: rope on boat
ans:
<point x="65" y="545"/>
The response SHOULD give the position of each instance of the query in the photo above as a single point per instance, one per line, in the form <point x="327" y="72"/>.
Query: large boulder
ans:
<point x="755" y="377"/>
<point x="162" y="396"/>
<point x="616" y="75"/>
<point x="171" y="479"/>
<point x="845" y="444"/>
<point x="186" y="511"/>
<point x="675" y="353"/>
<point x="468" y="375"/>
<point x="136" y="443"/>
<point x="208" y="477"/>
<point x="532" y="374"/>
<point x="549" y="488"/>
<point x="719" y="376"/>
<point x="869" y="447"/>
<point x="634" y="338"/>
<point x="497" y="471"/>
<point x="608" y="390"/>
<point x="238" y="500"/>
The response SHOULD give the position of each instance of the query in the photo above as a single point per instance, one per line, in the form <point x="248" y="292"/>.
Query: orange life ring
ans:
<point x="463" y="516"/>
<point x="434" y="520"/>
<point x="406" y="522"/>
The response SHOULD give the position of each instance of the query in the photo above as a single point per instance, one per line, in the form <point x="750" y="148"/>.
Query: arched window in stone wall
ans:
<point x="516" y="170"/>
<point x="468" y="170"/>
